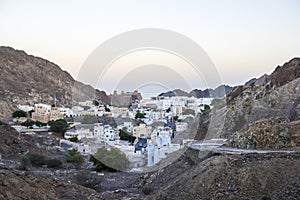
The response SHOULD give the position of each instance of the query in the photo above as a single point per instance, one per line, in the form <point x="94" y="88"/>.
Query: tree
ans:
<point x="111" y="159"/>
<point x="124" y="135"/>
<point x="39" y="124"/>
<point x="106" y="108"/>
<point x="139" y="115"/>
<point x="74" y="139"/>
<point x="28" y="123"/>
<point x="54" y="163"/>
<point x="75" y="157"/>
<point x="59" y="126"/>
<point x="19" y="113"/>
<point x="38" y="160"/>
<point x="96" y="103"/>
<point x="206" y="108"/>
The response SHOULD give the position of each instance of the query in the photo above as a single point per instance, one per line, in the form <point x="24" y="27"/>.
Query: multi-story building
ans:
<point x="142" y="131"/>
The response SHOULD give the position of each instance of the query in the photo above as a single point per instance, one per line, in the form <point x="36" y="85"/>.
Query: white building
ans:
<point x="79" y="133"/>
<point x="25" y="108"/>
<point x="46" y="107"/>
<point x="181" y="126"/>
<point x="163" y="136"/>
<point x="86" y="103"/>
<point x="157" y="153"/>
<point x="109" y="133"/>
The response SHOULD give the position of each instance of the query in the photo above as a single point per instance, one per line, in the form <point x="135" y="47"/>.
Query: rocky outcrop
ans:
<point x="251" y="176"/>
<point x="23" y="185"/>
<point x="268" y="134"/>
<point x="26" y="79"/>
<point x="286" y="73"/>
<point x="250" y="110"/>
<point x="13" y="145"/>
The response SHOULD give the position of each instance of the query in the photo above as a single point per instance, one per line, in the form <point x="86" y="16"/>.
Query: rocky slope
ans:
<point x="13" y="145"/>
<point x="24" y="185"/>
<point x="249" y="176"/>
<point x="26" y="79"/>
<point x="277" y="98"/>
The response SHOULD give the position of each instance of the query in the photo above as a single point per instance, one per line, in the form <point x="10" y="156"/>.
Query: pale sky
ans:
<point x="243" y="38"/>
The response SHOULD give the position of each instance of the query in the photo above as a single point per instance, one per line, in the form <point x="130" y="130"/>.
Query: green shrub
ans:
<point x="54" y="163"/>
<point x="124" y="135"/>
<point x="59" y="126"/>
<point x="75" y="157"/>
<point x="37" y="160"/>
<point x="111" y="159"/>
<point x="19" y="113"/>
<point x="139" y="115"/>
<point x="74" y="139"/>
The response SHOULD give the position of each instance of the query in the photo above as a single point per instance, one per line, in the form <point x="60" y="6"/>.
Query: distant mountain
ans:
<point x="220" y="91"/>
<point x="26" y="79"/>
<point x="176" y="92"/>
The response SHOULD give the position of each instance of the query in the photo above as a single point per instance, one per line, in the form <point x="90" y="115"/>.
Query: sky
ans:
<point x="243" y="39"/>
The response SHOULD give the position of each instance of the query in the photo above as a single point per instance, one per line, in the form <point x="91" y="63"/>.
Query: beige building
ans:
<point x="40" y="114"/>
<point x="43" y="115"/>
<point x="142" y="131"/>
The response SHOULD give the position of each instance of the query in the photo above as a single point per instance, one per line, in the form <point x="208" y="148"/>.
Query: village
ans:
<point x="143" y="129"/>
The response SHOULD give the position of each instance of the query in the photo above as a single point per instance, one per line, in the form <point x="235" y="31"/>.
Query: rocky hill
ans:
<point x="277" y="98"/>
<point x="218" y="92"/>
<point x="251" y="176"/>
<point x="26" y="79"/>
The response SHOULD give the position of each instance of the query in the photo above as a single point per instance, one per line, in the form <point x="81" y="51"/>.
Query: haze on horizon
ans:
<point x="244" y="39"/>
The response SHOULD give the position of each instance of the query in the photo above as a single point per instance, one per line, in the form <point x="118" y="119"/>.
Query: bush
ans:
<point x="74" y="139"/>
<point x="75" y="157"/>
<point x="139" y="115"/>
<point x="111" y="159"/>
<point x="54" y="163"/>
<point x="19" y="113"/>
<point x="25" y="162"/>
<point x="28" y="123"/>
<point x="59" y="126"/>
<point x="38" y="160"/>
<point x="147" y="190"/>
<point x="95" y="103"/>
<point x="206" y="108"/>
<point x="124" y="135"/>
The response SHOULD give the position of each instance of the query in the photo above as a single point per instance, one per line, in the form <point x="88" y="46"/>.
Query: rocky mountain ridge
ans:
<point x="218" y="92"/>
<point x="26" y="79"/>
<point x="242" y="112"/>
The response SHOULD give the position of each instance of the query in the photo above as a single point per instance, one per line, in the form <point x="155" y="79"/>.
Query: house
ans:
<point x="127" y="125"/>
<point x="181" y="126"/>
<point x="142" y="131"/>
<point x="157" y="153"/>
<point x="164" y="135"/>
<point x="120" y="112"/>
<point x="40" y="114"/>
<point x="109" y="133"/>
<point x="55" y="114"/>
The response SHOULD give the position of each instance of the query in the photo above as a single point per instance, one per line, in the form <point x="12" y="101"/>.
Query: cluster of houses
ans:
<point x="152" y="144"/>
